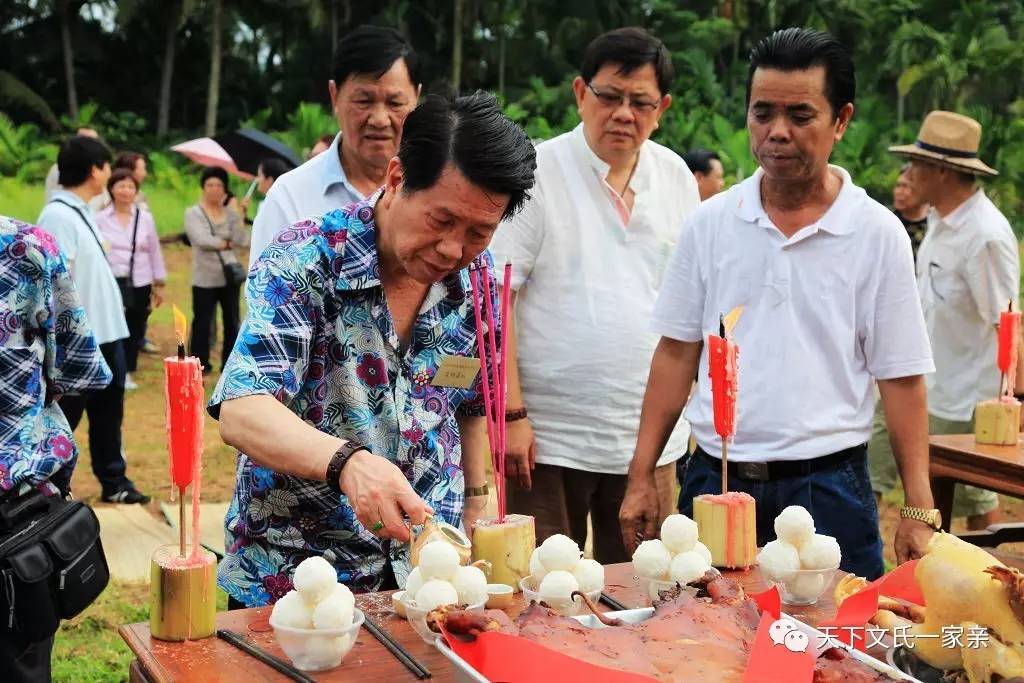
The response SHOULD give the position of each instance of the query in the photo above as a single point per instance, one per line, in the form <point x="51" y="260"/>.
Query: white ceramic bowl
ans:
<point x="312" y="649"/>
<point x="567" y="608"/>
<point x="803" y="586"/>
<point x="417" y="618"/>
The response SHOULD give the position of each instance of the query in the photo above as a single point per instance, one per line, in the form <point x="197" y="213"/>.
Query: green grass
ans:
<point x="20" y="201"/>
<point x="88" y="649"/>
<point x="25" y="201"/>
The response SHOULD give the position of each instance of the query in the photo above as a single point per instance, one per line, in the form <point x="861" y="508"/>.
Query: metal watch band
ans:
<point x="473" y="491"/>
<point x="338" y="462"/>
<point x="918" y="514"/>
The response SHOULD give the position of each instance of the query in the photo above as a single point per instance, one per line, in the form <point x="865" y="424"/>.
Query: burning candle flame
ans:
<point x="731" y="318"/>
<point x="180" y="324"/>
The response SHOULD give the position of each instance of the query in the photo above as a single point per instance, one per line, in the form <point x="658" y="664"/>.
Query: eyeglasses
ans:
<point x="615" y="100"/>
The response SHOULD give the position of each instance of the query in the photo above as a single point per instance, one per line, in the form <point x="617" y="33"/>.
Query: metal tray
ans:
<point x="464" y="673"/>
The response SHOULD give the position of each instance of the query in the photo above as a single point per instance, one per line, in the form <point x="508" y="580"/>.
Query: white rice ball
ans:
<point x="413" y="583"/>
<point x="821" y="552"/>
<point x="589" y="575"/>
<point x="324" y="652"/>
<point x="436" y="593"/>
<point x="342" y="592"/>
<point x="702" y="549"/>
<point x="438" y="560"/>
<point x="678" y="533"/>
<point x="292" y="611"/>
<point x="688" y="567"/>
<point x="794" y="525"/>
<point x="314" y="578"/>
<point x="333" y="612"/>
<point x="559" y="552"/>
<point x="536" y="567"/>
<point x="652" y="560"/>
<point x="778" y="560"/>
<point x="558" y="585"/>
<point x="805" y="587"/>
<point x="471" y="585"/>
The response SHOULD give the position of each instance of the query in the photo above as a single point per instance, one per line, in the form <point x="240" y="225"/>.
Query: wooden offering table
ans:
<point x="215" y="661"/>
<point x="957" y="459"/>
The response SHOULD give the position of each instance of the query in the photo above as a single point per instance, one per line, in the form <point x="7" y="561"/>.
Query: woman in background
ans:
<point x="135" y="258"/>
<point x="214" y="230"/>
<point x="269" y="170"/>
<point x="136" y="164"/>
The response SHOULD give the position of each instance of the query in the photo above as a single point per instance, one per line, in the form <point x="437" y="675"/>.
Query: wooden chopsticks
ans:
<point x="392" y="646"/>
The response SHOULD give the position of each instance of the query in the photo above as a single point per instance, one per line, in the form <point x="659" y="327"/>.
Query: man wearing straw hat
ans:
<point x="968" y="271"/>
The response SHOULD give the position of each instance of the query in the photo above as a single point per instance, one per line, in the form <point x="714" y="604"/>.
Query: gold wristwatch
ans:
<point x="474" y="491"/>
<point x="932" y="518"/>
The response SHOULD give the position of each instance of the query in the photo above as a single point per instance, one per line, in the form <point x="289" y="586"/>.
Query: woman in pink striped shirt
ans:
<point x="135" y="257"/>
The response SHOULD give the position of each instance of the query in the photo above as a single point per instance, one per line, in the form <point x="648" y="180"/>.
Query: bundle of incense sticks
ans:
<point x="494" y="392"/>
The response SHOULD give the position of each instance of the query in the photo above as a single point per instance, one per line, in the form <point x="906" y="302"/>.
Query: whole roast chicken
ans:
<point x="967" y="591"/>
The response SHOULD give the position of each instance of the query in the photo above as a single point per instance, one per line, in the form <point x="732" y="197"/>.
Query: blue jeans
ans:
<point x="839" y="499"/>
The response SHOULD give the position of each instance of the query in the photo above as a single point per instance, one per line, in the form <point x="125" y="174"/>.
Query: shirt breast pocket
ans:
<point x="947" y="282"/>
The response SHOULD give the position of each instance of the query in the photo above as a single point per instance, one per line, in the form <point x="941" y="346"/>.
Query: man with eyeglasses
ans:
<point x="587" y="253"/>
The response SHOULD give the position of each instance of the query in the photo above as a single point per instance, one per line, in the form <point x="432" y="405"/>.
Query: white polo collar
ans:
<point x="838" y="220"/>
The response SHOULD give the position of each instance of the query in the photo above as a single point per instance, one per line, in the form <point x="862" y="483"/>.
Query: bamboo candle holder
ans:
<point x="507" y="546"/>
<point x="183" y="594"/>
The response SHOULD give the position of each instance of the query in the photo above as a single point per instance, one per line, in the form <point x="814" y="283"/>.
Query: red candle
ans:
<point x="185" y="401"/>
<point x="1009" y="338"/>
<point x="722" y="355"/>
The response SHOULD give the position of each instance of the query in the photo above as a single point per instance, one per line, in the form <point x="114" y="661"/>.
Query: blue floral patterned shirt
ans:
<point x="47" y="348"/>
<point x="320" y="339"/>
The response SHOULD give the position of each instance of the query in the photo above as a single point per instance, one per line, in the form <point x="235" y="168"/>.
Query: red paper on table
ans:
<point x="511" y="659"/>
<point x="722" y="356"/>
<point x="854" y="613"/>
<point x="772" y="662"/>
<point x="769" y="601"/>
<point x="184" y="409"/>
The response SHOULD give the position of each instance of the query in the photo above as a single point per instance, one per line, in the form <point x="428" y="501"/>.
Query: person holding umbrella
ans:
<point x="214" y="230"/>
<point x="375" y="85"/>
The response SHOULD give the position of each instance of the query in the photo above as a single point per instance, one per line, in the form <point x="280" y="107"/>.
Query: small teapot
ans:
<point x="436" y="530"/>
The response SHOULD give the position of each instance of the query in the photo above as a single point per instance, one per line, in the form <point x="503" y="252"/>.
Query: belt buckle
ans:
<point x="757" y="471"/>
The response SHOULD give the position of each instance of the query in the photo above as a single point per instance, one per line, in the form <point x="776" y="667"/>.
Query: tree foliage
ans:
<point x="911" y="55"/>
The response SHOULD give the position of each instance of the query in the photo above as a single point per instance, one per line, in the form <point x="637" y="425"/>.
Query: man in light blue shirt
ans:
<point x="84" y="167"/>
<point x="374" y="87"/>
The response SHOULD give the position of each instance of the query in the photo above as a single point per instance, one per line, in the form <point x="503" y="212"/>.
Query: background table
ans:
<point x="956" y="458"/>
<point x="214" y="661"/>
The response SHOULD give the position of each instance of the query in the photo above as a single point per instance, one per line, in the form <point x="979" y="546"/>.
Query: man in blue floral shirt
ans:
<point x="329" y="393"/>
<point x="47" y="348"/>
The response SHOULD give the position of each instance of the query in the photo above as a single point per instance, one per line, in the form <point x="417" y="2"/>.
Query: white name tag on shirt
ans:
<point x="456" y="372"/>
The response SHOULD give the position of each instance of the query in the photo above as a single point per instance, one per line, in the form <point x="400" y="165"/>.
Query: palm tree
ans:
<point x="457" y="23"/>
<point x="173" y="14"/>
<point x="213" y="87"/>
<point x="65" y="10"/>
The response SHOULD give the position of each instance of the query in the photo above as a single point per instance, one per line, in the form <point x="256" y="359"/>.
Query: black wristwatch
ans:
<point x="339" y="460"/>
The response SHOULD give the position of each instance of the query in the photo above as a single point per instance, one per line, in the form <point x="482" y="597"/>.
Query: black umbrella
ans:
<point x="248" y="147"/>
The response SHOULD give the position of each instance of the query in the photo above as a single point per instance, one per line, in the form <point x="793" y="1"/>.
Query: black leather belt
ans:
<point x="784" y="469"/>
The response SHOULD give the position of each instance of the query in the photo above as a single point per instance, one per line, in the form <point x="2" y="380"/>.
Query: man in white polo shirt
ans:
<point x="374" y="86"/>
<point x="84" y="167"/>
<point x="587" y="253"/>
<point x="825" y="275"/>
<point x="968" y="271"/>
